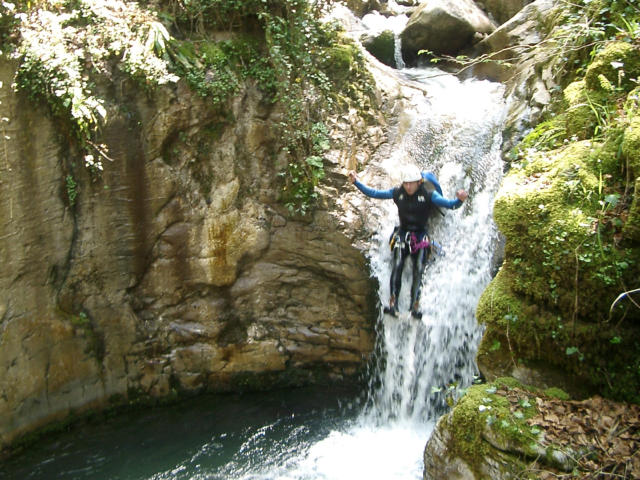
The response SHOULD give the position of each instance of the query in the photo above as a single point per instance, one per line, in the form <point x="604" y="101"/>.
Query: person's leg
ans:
<point x="395" y="282"/>
<point x="419" y="264"/>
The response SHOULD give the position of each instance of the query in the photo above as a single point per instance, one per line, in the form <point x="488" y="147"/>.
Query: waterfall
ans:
<point x="374" y="23"/>
<point x="397" y="50"/>
<point x="423" y="364"/>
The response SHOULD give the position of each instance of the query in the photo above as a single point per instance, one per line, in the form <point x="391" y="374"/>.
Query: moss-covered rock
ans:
<point x="606" y="156"/>
<point x="583" y="113"/>
<point x="549" y="306"/>
<point x="631" y="230"/>
<point x="517" y="328"/>
<point x="339" y="61"/>
<point x="569" y="211"/>
<point x="508" y="430"/>
<point x="614" y="66"/>
<point x="538" y="345"/>
<point x="631" y="145"/>
<point x="346" y="69"/>
<point x="487" y="435"/>
<point x="381" y="46"/>
<point x="543" y="210"/>
<point x="553" y="212"/>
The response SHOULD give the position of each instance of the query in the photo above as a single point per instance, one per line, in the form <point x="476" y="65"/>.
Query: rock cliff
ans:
<point x="174" y="270"/>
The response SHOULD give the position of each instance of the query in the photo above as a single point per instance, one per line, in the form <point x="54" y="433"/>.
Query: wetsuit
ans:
<point x="411" y="238"/>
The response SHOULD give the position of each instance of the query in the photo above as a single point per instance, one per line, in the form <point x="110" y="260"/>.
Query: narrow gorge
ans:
<point x="177" y="228"/>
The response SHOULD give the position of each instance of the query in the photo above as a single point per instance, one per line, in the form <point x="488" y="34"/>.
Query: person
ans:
<point x="415" y="198"/>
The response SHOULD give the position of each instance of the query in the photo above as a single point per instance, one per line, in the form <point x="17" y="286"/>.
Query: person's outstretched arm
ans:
<point x="451" y="203"/>
<point x="368" y="191"/>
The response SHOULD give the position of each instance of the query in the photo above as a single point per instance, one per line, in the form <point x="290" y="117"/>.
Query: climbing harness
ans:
<point x="396" y="240"/>
<point x="416" y="245"/>
<point x="410" y="240"/>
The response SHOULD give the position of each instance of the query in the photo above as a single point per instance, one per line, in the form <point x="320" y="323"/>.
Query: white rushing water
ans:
<point x="455" y="132"/>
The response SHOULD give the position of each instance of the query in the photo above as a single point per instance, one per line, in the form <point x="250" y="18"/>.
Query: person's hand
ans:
<point x="462" y="195"/>
<point x="353" y="176"/>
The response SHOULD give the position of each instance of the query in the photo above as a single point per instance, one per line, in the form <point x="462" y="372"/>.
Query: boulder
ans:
<point x="513" y="39"/>
<point x="443" y="27"/>
<point x="506" y="430"/>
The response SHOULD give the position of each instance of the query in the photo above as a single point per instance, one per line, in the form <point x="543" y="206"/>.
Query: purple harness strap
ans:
<point x="416" y="245"/>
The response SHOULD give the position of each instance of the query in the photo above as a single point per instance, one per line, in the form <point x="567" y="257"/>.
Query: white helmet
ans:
<point x="411" y="173"/>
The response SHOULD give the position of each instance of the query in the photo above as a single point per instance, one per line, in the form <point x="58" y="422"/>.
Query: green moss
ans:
<point x="382" y="47"/>
<point x="517" y="329"/>
<point x="606" y="156"/>
<point x="545" y="208"/>
<point x="631" y="145"/>
<point x="546" y="135"/>
<point x="508" y="383"/>
<point x="339" y="61"/>
<point x="467" y="424"/>
<point x="483" y="413"/>
<point x="632" y="103"/>
<point x="352" y="83"/>
<point x="554" y="212"/>
<point x="558" y="393"/>
<point x="584" y="110"/>
<point x="601" y="357"/>
<point x="498" y="300"/>
<point x="618" y="63"/>
<point x="631" y="230"/>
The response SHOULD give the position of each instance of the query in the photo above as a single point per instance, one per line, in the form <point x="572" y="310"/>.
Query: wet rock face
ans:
<point x="174" y="269"/>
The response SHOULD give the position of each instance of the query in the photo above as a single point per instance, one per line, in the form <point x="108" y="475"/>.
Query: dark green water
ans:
<point x="218" y="437"/>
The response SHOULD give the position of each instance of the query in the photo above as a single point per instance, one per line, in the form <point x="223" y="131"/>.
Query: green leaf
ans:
<point x="315" y="161"/>
<point x="571" y="350"/>
<point x="612" y="199"/>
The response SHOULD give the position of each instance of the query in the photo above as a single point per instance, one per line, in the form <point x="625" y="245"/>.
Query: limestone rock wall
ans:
<point x="174" y="269"/>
